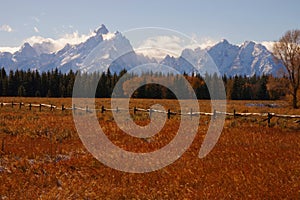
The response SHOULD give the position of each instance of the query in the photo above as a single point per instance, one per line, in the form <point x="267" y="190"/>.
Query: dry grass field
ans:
<point x="42" y="157"/>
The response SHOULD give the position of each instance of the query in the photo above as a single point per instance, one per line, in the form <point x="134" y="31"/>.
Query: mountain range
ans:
<point x="102" y="51"/>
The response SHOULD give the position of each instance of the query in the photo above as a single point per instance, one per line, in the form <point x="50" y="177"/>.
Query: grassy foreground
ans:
<point x="42" y="157"/>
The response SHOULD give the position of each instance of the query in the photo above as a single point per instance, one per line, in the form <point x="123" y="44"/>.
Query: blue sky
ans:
<point x="234" y="20"/>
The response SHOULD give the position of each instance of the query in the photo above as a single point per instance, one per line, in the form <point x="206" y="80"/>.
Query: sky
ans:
<point x="207" y="21"/>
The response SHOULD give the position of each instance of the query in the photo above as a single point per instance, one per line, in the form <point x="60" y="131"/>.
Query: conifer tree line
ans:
<point x="56" y="84"/>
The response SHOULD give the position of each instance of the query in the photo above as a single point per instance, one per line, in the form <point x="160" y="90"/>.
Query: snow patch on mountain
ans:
<point x="109" y="36"/>
<point x="69" y="58"/>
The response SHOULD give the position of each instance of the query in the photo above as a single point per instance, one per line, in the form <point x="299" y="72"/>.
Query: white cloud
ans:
<point x="6" y="28"/>
<point x="36" y="29"/>
<point x="9" y="49"/>
<point x="208" y="43"/>
<point x="74" y="38"/>
<point x="159" y="46"/>
<point x="50" y="45"/>
<point x="203" y="42"/>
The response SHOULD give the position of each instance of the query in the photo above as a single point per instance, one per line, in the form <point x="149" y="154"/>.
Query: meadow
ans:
<point x="42" y="156"/>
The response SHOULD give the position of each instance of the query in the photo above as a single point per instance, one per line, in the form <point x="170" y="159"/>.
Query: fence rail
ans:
<point x="214" y="114"/>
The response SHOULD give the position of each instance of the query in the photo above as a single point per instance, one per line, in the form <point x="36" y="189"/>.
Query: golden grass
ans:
<point x="42" y="157"/>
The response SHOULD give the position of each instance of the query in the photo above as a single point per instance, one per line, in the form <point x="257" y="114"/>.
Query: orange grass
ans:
<point x="250" y="160"/>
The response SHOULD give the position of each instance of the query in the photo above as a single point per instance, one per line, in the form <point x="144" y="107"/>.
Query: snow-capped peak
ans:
<point x="27" y="51"/>
<point x="224" y="41"/>
<point x="102" y="49"/>
<point x="248" y="44"/>
<point x="223" y="44"/>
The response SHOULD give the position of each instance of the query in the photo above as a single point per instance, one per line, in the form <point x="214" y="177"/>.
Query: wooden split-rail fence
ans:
<point x="169" y="113"/>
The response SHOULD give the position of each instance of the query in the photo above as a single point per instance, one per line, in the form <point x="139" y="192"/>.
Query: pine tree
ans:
<point x="263" y="92"/>
<point x="236" y="88"/>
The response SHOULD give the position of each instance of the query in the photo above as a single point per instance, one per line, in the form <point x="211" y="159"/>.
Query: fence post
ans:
<point x="51" y="107"/>
<point x="117" y="109"/>
<point x="191" y="113"/>
<point x="102" y="109"/>
<point x="269" y="119"/>
<point x="20" y="105"/>
<point x="1" y="104"/>
<point x="86" y="109"/>
<point x="150" y="112"/>
<point x="62" y="107"/>
<point x="169" y="113"/>
<point x="234" y="113"/>
<point x="40" y="107"/>
<point x="29" y="106"/>
<point x="74" y="108"/>
<point x="134" y="110"/>
<point x="215" y="114"/>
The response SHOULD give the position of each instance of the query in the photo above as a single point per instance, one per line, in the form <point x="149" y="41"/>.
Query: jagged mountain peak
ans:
<point x="105" y="49"/>
<point x="248" y="44"/>
<point x="224" y="41"/>
<point x="187" y="52"/>
<point x="26" y="47"/>
<point x="223" y="45"/>
<point x="246" y="59"/>
<point x="168" y="57"/>
<point x="101" y="30"/>
<point x="26" y="51"/>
